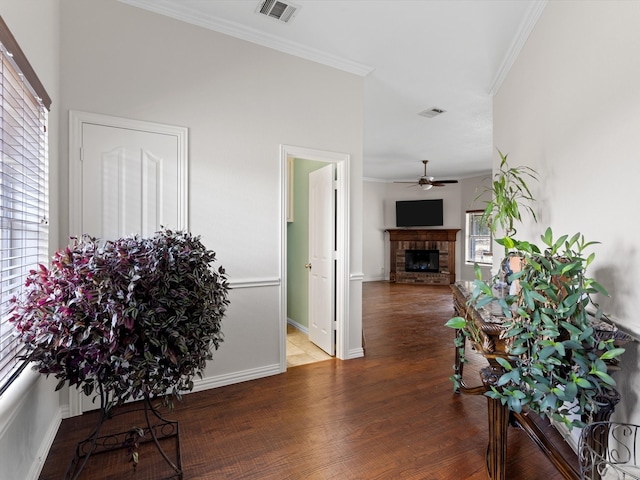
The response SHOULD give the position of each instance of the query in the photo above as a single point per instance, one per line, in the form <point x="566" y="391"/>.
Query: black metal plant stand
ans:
<point x="610" y="450"/>
<point x="152" y="432"/>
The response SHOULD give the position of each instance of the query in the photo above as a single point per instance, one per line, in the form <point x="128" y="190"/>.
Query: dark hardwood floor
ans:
<point x="389" y="415"/>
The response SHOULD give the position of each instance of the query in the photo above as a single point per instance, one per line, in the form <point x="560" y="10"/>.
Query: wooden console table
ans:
<point x="489" y="322"/>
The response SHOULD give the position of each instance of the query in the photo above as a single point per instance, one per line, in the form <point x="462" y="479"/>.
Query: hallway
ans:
<point x="391" y="415"/>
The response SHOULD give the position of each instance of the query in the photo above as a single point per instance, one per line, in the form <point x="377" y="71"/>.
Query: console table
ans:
<point x="489" y="321"/>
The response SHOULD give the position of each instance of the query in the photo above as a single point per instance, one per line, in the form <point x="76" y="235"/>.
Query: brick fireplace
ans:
<point x="425" y="268"/>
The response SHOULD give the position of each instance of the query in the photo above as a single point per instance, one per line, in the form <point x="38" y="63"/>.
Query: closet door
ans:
<point x="126" y="177"/>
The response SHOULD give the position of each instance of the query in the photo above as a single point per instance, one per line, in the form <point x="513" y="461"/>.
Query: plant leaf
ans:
<point x="613" y="353"/>
<point x="456" y="322"/>
<point x="504" y="363"/>
<point x="605" y="377"/>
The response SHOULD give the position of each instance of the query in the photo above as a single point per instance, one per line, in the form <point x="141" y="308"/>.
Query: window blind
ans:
<point x="23" y="195"/>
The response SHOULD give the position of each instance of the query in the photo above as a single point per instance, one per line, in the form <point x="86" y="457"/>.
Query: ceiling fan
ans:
<point x="425" y="182"/>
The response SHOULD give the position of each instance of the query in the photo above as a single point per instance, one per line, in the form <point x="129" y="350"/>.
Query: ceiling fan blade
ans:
<point x="442" y="183"/>
<point x="426" y="182"/>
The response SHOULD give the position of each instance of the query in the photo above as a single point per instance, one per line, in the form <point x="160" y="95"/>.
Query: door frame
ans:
<point x="342" y="162"/>
<point x="76" y="121"/>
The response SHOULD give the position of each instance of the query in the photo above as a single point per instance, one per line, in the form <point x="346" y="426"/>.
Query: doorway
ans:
<point x="126" y="177"/>
<point x="310" y="268"/>
<point x="341" y="161"/>
<point x="300" y="350"/>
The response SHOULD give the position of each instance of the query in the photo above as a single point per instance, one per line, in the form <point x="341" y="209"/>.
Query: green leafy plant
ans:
<point x="510" y="198"/>
<point x="556" y="363"/>
<point x="135" y="317"/>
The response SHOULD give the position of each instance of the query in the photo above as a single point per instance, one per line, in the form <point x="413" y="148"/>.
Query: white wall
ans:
<point x="240" y="102"/>
<point x="30" y="411"/>
<point x="570" y="108"/>
<point x="374" y="266"/>
<point x="451" y="199"/>
<point x="471" y="188"/>
<point x="450" y="195"/>
<point x="379" y="215"/>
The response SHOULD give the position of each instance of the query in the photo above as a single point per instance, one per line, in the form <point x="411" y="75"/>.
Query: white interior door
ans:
<point x="127" y="177"/>
<point x="321" y="258"/>
<point x="129" y="181"/>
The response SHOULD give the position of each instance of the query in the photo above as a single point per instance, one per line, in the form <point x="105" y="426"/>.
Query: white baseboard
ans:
<point x="298" y="326"/>
<point x="375" y="278"/>
<point x="202" y="384"/>
<point x="355" y="353"/>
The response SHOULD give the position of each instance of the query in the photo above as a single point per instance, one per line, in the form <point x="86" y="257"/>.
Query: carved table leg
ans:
<point x="497" y="448"/>
<point x="498" y="415"/>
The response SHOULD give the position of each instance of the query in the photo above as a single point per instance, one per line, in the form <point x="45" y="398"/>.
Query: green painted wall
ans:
<point x="298" y="243"/>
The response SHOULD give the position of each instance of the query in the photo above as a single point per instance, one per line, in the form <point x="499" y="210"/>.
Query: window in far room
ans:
<point x="478" y="239"/>
<point x="24" y="196"/>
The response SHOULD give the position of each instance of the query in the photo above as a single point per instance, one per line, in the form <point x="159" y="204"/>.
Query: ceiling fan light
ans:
<point x="426" y="186"/>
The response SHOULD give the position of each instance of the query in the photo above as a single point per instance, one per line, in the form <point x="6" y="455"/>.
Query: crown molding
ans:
<point x="526" y="27"/>
<point x="233" y="29"/>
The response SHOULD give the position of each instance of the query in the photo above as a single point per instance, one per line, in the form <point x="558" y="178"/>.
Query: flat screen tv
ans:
<point x="419" y="213"/>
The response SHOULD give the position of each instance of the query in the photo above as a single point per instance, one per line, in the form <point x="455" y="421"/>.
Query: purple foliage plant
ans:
<point x="135" y="317"/>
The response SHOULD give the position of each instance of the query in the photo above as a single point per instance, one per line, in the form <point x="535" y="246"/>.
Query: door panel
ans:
<point x="321" y="258"/>
<point x="130" y="181"/>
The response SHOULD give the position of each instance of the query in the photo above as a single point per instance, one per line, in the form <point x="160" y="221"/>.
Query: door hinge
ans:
<point x="81" y="154"/>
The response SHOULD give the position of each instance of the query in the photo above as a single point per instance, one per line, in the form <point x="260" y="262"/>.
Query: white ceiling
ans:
<point x="413" y="54"/>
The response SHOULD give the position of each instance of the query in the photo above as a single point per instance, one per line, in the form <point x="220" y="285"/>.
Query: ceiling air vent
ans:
<point x="431" y="112"/>
<point x="281" y="11"/>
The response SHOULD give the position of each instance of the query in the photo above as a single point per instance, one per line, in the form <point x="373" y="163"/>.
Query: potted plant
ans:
<point x="134" y="318"/>
<point x="557" y="354"/>
<point x="510" y="197"/>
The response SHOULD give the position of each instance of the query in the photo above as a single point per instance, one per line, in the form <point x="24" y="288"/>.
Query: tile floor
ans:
<point x="300" y="350"/>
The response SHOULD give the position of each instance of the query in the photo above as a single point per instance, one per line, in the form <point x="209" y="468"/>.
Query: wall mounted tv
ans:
<point x="419" y="213"/>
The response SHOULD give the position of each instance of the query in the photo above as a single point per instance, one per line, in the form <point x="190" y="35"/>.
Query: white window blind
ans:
<point x="23" y="193"/>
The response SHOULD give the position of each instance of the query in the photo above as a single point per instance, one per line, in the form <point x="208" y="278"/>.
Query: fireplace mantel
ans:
<point x="443" y="240"/>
